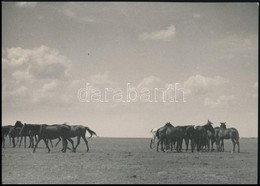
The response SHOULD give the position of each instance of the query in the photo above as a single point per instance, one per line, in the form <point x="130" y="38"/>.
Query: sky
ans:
<point x="59" y="58"/>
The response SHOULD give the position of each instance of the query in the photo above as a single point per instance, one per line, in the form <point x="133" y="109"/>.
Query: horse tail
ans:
<point x="90" y="131"/>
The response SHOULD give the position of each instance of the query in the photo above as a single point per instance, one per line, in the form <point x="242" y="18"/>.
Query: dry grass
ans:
<point x="126" y="160"/>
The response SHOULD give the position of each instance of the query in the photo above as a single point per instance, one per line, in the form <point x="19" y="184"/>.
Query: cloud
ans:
<point x="150" y="82"/>
<point x="73" y="15"/>
<point x="201" y="85"/>
<point x="40" y="63"/>
<point x="101" y="79"/>
<point x="26" y="4"/>
<point x="234" y="44"/>
<point x="36" y="76"/>
<point x="221" y="101"/>
<point x="164" y="35"/>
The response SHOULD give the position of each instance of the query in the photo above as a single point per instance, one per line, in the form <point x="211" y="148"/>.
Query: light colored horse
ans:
<point x="153" y="131"/>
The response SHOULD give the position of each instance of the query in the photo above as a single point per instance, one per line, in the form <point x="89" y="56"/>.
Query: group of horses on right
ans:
<point x="200" y="137"/>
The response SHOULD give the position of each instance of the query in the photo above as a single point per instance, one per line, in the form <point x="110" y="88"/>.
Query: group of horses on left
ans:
<point x="200" y="137"/>
<point x="62" y="132"/>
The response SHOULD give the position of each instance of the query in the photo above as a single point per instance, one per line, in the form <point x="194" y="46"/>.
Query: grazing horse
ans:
<point x="161" y="135"/>
<point x="189" y="136"/>
<point x="228" y="133"/>
<point x="201" y="137"/>
<point x="175" y="134"/>
<point x="5" y="132"/>
<point x="153" y="131"/>
<point x="79" y="131"/>
<point x="53" y="132"/>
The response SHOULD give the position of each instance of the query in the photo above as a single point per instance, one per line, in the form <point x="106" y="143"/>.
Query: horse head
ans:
<point x="168" y="124"/>
<point x="223" y="125"/>
<point x="210" y="127"/>
<point x="18" y="124"/>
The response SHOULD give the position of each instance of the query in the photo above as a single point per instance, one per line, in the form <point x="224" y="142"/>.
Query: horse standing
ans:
<point x="228" y="133"/>
<point x="161" y="135"/>
<point x="201" y="137"/>
<point x="213" y="137"/>
<point x="153" y="131"/>
<point x="5" y="132"/>
<point x="175" y="134"/>
<point x="189" y="136"/>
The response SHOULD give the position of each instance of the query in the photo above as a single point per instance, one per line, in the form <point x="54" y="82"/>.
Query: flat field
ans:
<point x="129" y="161"/>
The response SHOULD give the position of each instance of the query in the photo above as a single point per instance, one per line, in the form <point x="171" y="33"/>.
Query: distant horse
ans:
<point x="189" y="136"/>
<point x="201" y="137"/>
<point x="79" y="131"/>
<point x="161" y="135"/>
<point x="27" y="133"/>
<point x="53" y="132"/>
<point x="213" y="137"/>
<point x="228" y="133"/>
<point x="33" y="130"/>
<point x="14" y="133"/>
<point x="5" y="132"/>
<point x="153" y="131"/>
<point x="175" y="134"/>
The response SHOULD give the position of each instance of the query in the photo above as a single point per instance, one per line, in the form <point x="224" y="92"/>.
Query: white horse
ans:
<point x="153" y="131"/>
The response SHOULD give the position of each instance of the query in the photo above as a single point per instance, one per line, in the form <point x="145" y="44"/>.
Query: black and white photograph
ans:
<point x="129" y="92"/>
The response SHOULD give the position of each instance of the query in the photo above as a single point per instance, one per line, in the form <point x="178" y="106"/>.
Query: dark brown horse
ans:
<point x="79" y="131"/>
<point x="175" y="134"/>
<point x="201" y="137"/>
<point x="53" y="132"/>
<point x="189" y="136"/>
<point x="228" y="133"/>
<point x="213" y="137"/>
<point x="5" y="132"/>
<point x="161" y="135"/>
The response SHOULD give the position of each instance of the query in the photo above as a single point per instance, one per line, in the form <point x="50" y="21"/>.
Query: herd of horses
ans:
<point x="168" y="136"/>
<point x="200" y="137"/>
<point x="37" y="132"/>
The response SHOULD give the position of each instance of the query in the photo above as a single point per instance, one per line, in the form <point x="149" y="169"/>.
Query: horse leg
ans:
<point x="39" y="139"/>
<point x="3" y="141"/>
<point x="222" y="145"/>
<point x="58" y="142"/>
<point x="187" y="144"/>
<point x="212" y="142"/>
<point x="151" y="143"/>
<point x="162" y="145"/>
<point x="51" y="143"/>
<point x="71" y="141"/>
<point x="46" y="143"/>
<point x="192" y="145"/>
<point x="238" y="149"/>
<point x="20" y="143"/>
<point x="24" y="141"/>
<point x="13" y="141"/>
<point x="158" y="143"/>
<point x="64" y="145"/>
<point x="78" y="142"/>
<point x="84" y="138"/>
